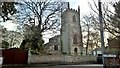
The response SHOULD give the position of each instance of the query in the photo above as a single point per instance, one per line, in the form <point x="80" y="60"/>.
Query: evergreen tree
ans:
<point x="8" y="8"/>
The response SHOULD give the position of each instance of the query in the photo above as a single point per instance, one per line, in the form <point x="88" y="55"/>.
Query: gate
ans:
<point x="14" y="56"/>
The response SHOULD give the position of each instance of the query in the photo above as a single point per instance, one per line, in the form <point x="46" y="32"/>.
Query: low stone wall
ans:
<point x="60" y="58"/>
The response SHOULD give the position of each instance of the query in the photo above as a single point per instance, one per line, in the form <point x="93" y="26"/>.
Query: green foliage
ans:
<point x="8" y="8"/>
<point x="24" y="42"/>
<point x="117" y="14"/>
<point x="5" y="44"/>
<point x="34" y="44"/>
<point x="117" y="9"/>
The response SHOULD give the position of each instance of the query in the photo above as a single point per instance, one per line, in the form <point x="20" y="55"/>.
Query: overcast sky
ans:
<point x="84" y="9"/>
<point x="84" y="6"/>
<point x="82" y="3"/>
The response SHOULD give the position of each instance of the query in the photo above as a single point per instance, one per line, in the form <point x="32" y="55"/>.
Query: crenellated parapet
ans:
<point x="73" y="10"/>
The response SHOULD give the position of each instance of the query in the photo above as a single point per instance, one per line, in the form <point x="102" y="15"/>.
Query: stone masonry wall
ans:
<point x="60" y="58"/>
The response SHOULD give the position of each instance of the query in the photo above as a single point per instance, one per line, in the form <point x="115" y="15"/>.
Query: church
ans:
<point x="70" y="39"/>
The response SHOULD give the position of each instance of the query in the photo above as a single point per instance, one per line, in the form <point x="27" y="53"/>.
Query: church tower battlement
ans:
<point x="71" y="33"/>
<point x="73" y="9"/>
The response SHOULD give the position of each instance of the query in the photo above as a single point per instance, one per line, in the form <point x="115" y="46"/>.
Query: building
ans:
<point x="114" y="44"/>
<point x="70" y="40"/>
<point x="71" y="34"/>
<point x="53" y="47"/>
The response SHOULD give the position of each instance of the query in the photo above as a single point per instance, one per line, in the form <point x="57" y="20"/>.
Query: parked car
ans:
<point x="99" y="59"/>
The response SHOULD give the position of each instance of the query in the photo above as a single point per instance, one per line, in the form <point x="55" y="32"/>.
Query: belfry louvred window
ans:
<point x="75" y="39"/>
<point x="74" y="18"/>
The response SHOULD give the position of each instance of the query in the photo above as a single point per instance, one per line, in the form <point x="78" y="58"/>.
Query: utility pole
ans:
<point x="0" y="8"/>
<point x="101" y="29"/>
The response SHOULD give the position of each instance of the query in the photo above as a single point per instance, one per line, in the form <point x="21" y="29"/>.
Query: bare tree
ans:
<point x="87" y="24"/>
<point x="12" y="38"/>
<point x="43" y="16"/>
<point x="91" y="33"/>
<point x="110" y="18"/>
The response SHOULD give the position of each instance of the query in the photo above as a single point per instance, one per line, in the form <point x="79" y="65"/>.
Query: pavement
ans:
<point x="54" y="66"/>
<point x="57" y="65"/>
<point x="44" y="65"/>
<point x="26" y="65"/>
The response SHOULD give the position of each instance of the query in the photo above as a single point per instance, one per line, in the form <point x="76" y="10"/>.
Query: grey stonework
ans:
<point x="53" y="46"/>
<point x="71" y="35"/>
<point x="70" y="40"/>
<point x="61" y="58"/>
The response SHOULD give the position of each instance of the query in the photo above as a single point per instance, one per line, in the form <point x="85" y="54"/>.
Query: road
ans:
<point x="76" y="66"/>
<point x="64" y="66"/>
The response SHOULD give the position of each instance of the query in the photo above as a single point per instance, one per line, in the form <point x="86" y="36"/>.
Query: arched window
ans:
<point x="74" y="18"/>
<point x="75" y="50"/>
<point x="56" y="47"/>
<point x="75" y="39"/>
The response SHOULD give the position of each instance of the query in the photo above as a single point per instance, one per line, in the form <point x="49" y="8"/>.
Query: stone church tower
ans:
<point x="71" y="34"/>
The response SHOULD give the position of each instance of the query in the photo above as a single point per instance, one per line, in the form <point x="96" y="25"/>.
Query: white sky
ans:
<point x="9" y="25"/>
<point x="84" y="6"/>
<point x="82" y="3"/>
<point x="84" y="9"/>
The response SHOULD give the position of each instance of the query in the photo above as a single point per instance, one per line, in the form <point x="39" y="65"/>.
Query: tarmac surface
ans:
<point x="54" y="66"/>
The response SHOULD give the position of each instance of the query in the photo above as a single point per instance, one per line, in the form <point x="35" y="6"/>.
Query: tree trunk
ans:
<point x="87" y="40"/>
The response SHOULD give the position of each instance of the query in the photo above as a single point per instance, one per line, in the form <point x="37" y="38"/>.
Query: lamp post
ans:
<point x="101" y="29"/>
